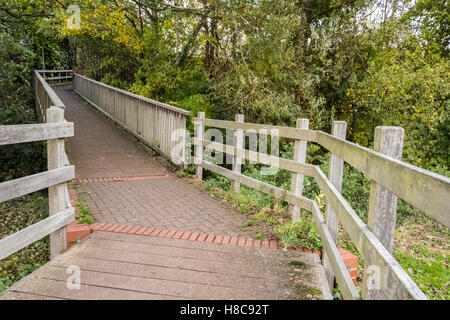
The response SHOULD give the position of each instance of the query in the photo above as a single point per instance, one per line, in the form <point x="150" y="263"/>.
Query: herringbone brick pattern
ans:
<point x="163" y="203"/>
<point x="109" y="166"/>
<point x="100" y="148"/>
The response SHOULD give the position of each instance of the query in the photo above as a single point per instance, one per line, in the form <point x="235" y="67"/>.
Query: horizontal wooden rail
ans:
<point x="27" y="236"/>
<point x="343" y="279"/>
<point x="53" y="71"/>
<point x="22" y="186"/>
<point x="286" y="132"/>
<point x="395" y="282"/>
<point x="423" y="189"/>
<point x="58" y="78"/>
<point x="286" y="164"/>
<point x="54" y="99"/>
<point x="34" y="132"/>
<point x="133" y="95"/>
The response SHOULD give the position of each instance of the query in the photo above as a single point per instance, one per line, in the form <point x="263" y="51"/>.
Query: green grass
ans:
<point x="16" y="215"/>
<point x="248" y="223"/>
<point x="262" y="208"/>
<point x="430" y="270"/>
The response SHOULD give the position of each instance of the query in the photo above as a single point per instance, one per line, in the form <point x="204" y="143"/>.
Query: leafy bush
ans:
<point x="16" y="215"/>
<point x="83" y="214"/>
<point x="301" y="234"/>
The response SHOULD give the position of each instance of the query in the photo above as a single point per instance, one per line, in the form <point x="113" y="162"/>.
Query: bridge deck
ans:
<point x="148" y="194"/>
<point x="124" y="266"/>
<point x="122" y="183"/>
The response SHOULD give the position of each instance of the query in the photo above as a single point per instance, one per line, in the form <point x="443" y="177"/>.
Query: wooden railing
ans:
<point x="383" y="278"/>
<point x="57" y="78"/>
<point x="157" y="124"/>
<point x="51" y="109"/>
<point x="44" y="94"/>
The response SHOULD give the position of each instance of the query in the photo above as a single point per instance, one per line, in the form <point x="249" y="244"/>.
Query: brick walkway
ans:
<point x="101" y="149"/>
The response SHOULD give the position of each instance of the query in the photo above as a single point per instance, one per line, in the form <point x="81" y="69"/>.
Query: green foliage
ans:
<point x="25" y="37"/>
<point x="259" y="235"/>
<point x="195" y="104"/>
<point x="407" y="87"/>
<point x="301" y="234"/>
<point x="248" y="223"/>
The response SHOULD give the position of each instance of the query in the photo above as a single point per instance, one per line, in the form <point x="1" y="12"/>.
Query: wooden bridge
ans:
<point x="160" y="237"/>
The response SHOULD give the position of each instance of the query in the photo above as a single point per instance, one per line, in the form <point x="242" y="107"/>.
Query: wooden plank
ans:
<point x="56" y="193"/>
<point x="345" y="283"/>
<point x="425" y="190"/>
<point x="22" y="186"/>
<point x="53" y="71"/>
<point x="164" y="272"/>
<point x="199" y="129"/>
<point x="335" y="174"/>
<point x="269" y="189"/>
<point x="383" y="204"/>
<point x="286" y="132"/>
<point x="27" y="236"/>
<point x="13" y="295"/>
<point x="238" y="142"/>
<point x="58" y="289"/>
<point x="396" y="284"/>
<point x="286" y="164"/>
<point x="53" y="97"/>
<point x="58" y="78"/>
<point x="34" y="132"/>
<point x="297" y="178"/>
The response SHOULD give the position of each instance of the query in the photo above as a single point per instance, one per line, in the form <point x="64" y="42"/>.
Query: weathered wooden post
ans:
<point x="335" y="173"/>
<point x="297" y="178"/>
<point x="382" y="206"/>
<point x="199" y="129"/>
<point x="186" y="153"/>
<point x="56" y="194"/>
<point x="238" y="142"/>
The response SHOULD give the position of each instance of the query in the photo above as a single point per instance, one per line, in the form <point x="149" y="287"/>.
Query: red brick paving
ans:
<point x="195" y="236"/>
<point x="122" y="183"/>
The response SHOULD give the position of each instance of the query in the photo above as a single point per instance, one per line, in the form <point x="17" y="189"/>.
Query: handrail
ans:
<point x="423" y="189"/>
<point x="46" y="98"/>
<point x="28" y="184"/>
<point x="130" y="94"/>
<point x="400" y="285"/>
<point x="53" y="71"/>
<point x="56" y="101"/>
